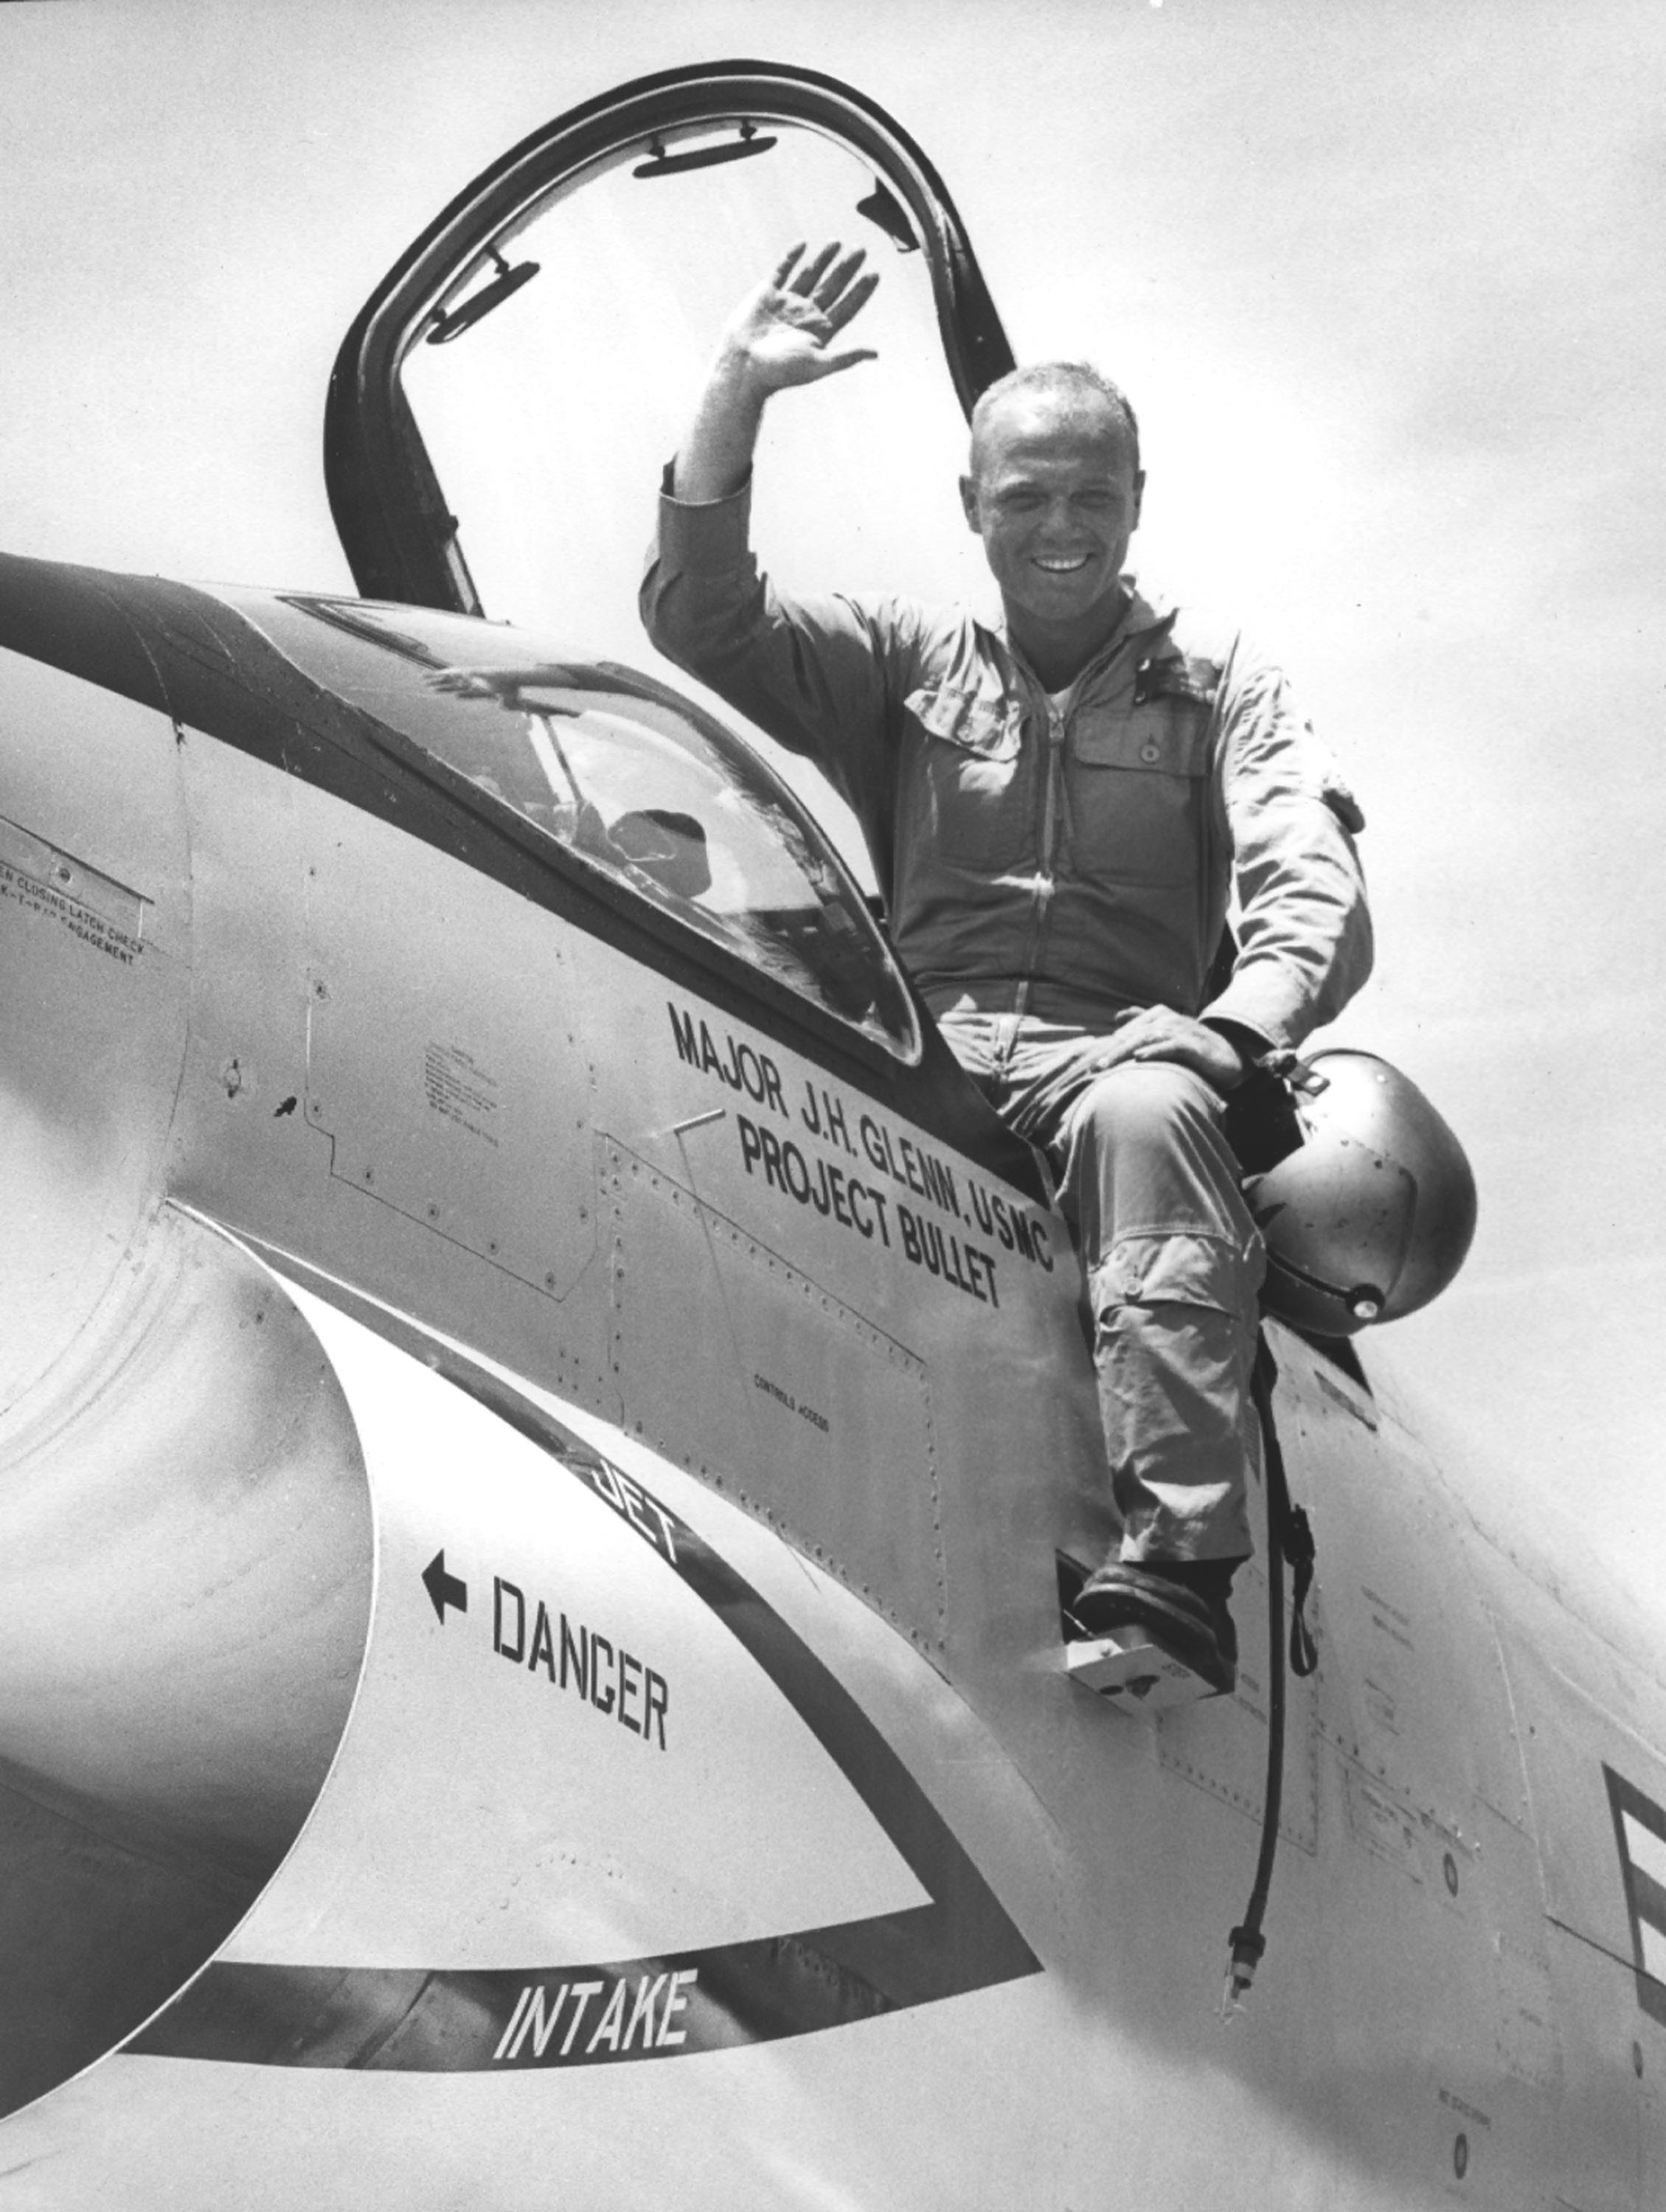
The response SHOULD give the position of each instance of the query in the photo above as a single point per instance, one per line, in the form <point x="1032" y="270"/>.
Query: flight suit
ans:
<point x="1048" y="862"/>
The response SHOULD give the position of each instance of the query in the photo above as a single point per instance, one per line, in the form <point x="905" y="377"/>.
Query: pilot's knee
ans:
<point x="1145" y="1104"/>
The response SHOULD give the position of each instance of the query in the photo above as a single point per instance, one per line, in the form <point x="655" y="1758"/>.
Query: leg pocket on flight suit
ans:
<point x="1174" y="1334"/>
<point x="1160" y="1267"/>
<point x="1174" y="1338"/>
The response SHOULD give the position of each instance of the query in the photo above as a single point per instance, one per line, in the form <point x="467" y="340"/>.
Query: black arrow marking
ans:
<point x="445" y="1589"/>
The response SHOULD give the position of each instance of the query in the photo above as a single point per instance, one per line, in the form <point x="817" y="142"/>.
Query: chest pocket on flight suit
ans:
<point x="971" y="778"/>
<point x="1137" y="774"/>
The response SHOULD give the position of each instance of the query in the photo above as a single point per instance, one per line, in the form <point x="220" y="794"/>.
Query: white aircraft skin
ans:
<point x="534" y="1483"/>
<point x="874" y="1464"/>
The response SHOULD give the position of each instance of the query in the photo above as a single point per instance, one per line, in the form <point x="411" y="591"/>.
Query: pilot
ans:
<point x="1058" y="810"/>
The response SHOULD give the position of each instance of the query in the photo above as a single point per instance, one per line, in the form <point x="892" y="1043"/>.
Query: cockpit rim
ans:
<point x="618" y="679"/>
<point x="154" y="638"/>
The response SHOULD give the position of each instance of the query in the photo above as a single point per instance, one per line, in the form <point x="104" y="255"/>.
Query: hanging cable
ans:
<point x="1289" y="1536"/>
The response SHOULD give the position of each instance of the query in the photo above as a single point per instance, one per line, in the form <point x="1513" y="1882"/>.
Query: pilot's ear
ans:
<point x="1139" y="496"/>
<point x="968" y="504"/>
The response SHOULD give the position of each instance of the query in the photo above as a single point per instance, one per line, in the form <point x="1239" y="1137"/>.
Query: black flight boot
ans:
<point x="1181" y="1603"/>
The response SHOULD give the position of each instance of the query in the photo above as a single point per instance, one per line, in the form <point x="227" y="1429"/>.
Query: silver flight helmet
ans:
<point x="1370" y="1214"/>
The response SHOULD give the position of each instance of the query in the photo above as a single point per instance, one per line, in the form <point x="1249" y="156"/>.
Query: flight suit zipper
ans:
<point x="1042" y="895"/>
<point x="1047" y="880"/>
<point x="1054" y="806"/>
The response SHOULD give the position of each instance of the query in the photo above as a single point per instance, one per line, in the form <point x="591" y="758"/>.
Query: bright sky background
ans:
<point x="1387" y="282"/>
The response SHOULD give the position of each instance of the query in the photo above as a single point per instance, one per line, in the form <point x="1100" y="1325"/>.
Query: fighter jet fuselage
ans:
<point x="538" y="1472"/>
<point x="543" y="1420"/>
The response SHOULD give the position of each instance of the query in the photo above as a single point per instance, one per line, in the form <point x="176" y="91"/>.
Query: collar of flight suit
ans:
<point x="1148" y="621"/>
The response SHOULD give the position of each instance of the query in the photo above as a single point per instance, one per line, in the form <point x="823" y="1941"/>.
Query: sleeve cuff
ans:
<point x="710" y="534"/>
<point x="1248" y="1044"/>
<point x="1248" y="1009"/>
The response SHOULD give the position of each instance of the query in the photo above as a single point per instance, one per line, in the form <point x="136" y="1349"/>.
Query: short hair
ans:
<point x="1066" y="378"/>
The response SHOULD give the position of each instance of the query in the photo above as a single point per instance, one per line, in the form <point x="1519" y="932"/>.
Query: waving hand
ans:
<point x="786" y="330"/>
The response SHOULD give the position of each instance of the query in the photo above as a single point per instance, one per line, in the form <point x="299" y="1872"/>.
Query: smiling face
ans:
<point x="1055" y="494"/>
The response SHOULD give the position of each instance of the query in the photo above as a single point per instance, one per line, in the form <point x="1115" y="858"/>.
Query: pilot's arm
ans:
<point x="1286" y="822"/>
<point x="820" y="674"/>
<point x="783" y="333"/>
<point x="1303" y="927"/>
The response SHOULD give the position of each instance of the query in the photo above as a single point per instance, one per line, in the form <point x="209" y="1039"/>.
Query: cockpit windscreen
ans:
<point x="624" y="776"/>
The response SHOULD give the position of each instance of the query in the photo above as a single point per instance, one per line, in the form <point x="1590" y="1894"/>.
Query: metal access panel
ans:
<point x="1581" y="1717"/>
<point x="1588" y="1728"/>
<point x="93" y="981"/>
<point x="1211" y="1746"/>
<point x="735" y="1362"/>
<point x="451" y="1078"/>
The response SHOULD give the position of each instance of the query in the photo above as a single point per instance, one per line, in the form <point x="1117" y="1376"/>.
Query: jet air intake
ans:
<point x="184" y="1586"/>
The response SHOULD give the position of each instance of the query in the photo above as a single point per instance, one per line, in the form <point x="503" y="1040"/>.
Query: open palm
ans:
<point x="789" y="327"/>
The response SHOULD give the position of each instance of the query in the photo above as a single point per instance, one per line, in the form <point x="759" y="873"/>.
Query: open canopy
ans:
<point x="504" y="404"/>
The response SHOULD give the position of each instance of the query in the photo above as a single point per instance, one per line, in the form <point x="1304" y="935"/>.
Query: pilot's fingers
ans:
<point x="1124" y="1033"/>
<point x="1184" y="1042"/>
<point x="784" y="268"/>
<point x="1162" y="1025"/>
<point x="814" y="269"/>
<point x="1111" y="1052"/>
<point x="838" y="276"/>
<point x="1126" y="1036"/>
<point x="841" y="311"/>
<point x="829" y="364"/>
<point x="1176" y="1045"/>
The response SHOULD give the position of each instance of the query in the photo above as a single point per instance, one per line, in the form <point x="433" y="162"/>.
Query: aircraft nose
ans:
<point x="95" y="968"/>
<point x="174" y="1687"/>
<point x="185" y="1585"/>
